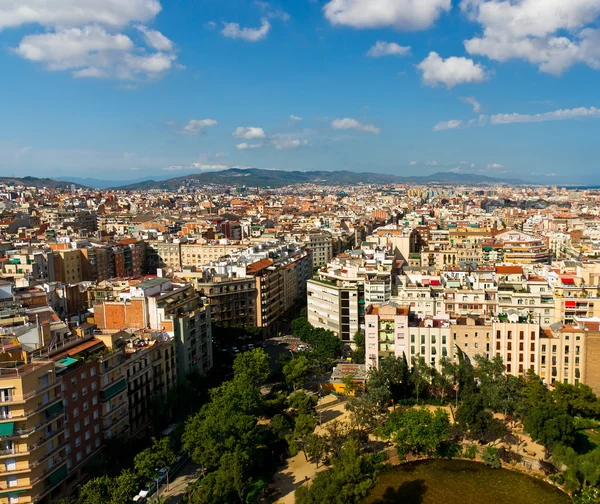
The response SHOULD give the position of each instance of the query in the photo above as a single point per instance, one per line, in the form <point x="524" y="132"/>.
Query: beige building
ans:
<point x="32" y="432"/>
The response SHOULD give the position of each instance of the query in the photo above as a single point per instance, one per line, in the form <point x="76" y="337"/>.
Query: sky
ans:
<point x="137" y="89"/>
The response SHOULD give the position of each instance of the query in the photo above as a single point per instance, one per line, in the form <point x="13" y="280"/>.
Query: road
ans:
<point x="178" y="487"/>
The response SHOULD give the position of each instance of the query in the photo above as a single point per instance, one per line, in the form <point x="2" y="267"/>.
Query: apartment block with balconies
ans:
<point x="32" y="425"/>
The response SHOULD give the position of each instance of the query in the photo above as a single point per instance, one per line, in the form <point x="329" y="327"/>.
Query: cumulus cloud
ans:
<point x="349" y="123"/>
<point x="451" y="71"/>
<point x="448" y="125"/>
<point x="156" y="40"/>
<point x="381" y="49"/>
<point x="432" y="163"/>
<point x="198" y="126"/>
<point x="234" y="31"/>
<point x="471" y="100"/>
<point x="412" y="163"/>
<point x="249" y="133"/>
<point x="248" y="146"/>
<point x="85" y="37"/>
<point x="296" y="118"/>
<point x="551" y="34"/>
<point x="557" y="115"/>
<point x="285" y="143"/>
<point x="399" y="14"/>
<point x="495" y="166"/>
<point x="70" y="13"/>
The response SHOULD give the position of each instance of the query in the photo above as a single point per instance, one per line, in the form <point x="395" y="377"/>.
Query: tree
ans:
<point x="576" y="400"/>
<point x="106" y="490"/>
<point x="296" y="371"/>
<point x="159" y="455"/>
<point x="303" y="427"/>
<point x="490" y="457"/>
<point x="96" y="491"/>
<point x="588" y="495"/>
<point x="358" y="354"/>
<point x="394" y="374"/>
<point x="420" y="376"/>
<point x="466" y="375"/>
<point x="253" y="366"/>
<point x="349" y="480"/>
<point x="419" y="431"/>
<point x="124" y="487"/>
<point x="501" y="392"/>
<point x="349" y="385"/>
<point x="472" y="416"/>
<point x="442" y="381"/>
<point x="302" y="403"/>
<point x="550" y="426"/>
<point x="316" y="447"/>
<point x="368" y="410"/>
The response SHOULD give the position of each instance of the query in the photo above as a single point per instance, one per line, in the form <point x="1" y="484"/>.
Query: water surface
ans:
<point x="460" y="482"/>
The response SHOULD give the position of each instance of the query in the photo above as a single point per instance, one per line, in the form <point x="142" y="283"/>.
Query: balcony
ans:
<point x="14" y="399"/>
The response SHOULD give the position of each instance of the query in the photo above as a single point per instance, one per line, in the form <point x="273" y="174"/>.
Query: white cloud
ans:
<point x="250" y="133"/>
<point x="557" y="115"/>
<point x="495" y="166"/>
<point x="552" y="34"/>
<point x="349" y="123"/>
<point x="399" y="14"/>
<point x="198" y="126"/>
<point x="209" y="167"/>
<point x="412" y="163"/>
<point x="247" y="146"/>
<point x="432" y="163"/>
<point x="211" y="25"/>
<point x="471" y="100"/>
<point x="296" y="118"/>
<point x="448" y="125"/>
<point x="272" y="14"/>
<point x="381" y="49"/>
<point x="284" y="143"/>
<point x="451" y="71"/>
<point x="156" y="40"/>
<point x="233" y="30"/>
<point x="82" y="37"/>
<point x="71" y="13"/>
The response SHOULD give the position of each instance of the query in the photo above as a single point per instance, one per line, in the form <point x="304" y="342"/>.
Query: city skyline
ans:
<point x="147" y="89"/>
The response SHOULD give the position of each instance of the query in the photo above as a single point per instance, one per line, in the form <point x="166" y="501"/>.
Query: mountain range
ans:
<point x="254" y="177"/>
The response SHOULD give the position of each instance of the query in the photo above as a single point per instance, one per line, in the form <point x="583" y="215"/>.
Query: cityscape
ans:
<point x="328" y="251"/>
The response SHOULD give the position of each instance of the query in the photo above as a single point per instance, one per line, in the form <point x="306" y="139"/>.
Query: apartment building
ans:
<point x="68" y="267"/>
<point x="161" y="305"/>
<point x="232" y="301"/>
<point x="430" y="339"/>
<point x="32" y="431"/>
<point x="386" y="332"/>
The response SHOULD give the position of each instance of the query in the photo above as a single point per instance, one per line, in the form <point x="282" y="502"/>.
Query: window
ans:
<point x="93" y="385"/>
<point x="77" y="427"/>
<point x="83" y="375"/>
<point x="75" y="396"/>
<point x="79" y="456"/>
<point x="93" y="372"/>
<point x="86" y="420"/>
<point x="75" y="412"/>
<point x="95" y="415"/>
<point x="85" y="406"/>
<point x="77" y="442"/>
<point x="94" y="401"/>
<point x="97" y="442"/>
<point x="84" y="391"/>
<point x="96" y="429"/>
<point x="88" y="449"/>
<point x="88" y="435"/>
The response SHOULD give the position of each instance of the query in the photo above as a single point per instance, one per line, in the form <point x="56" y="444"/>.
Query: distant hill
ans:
<point x="254" y="177"/>
<point x="40" y="182"/>
<point x="105" y="184"/>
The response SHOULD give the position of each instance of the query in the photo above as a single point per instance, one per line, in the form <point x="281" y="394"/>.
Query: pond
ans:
<point x="460" y="482"/>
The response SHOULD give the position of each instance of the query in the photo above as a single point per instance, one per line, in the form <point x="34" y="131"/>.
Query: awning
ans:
<point x="56" y="477"/>
<point x="570" y="304"/>
<point x="7" y="429"/>
<point x="55" y="408"/>
<point x="114" y="389"/>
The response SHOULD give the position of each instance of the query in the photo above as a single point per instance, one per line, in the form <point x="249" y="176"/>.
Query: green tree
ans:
<point x="124" y="487"/>
<point x="349" y="480"/>
<point x="96" y="491"/>
<point x="159" y="455"/>
<point x="576" y="400"/>
<point x="550" y="426"/>
<point x="316" y="447"/>
<point x="252" y="366"/>
<point x="302" y="403"/>
<point x="588" y="495"/>
<point x="420" y="376"/>
<point x="303" y="427"/>
<point x="490" y="457"/>
<point x="472" y="416"/>
<point x="296" y="371"/>
<point x="349" y="385"/>
<point x="358" y="354"/>
<point x="368" y="410"/>
<point x="443" y="380"/>
<point x="420" y="431"/>
<point x="501" y="392"/>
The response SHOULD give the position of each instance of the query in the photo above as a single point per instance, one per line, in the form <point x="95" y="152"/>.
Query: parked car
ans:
<point x="250" y="346"/>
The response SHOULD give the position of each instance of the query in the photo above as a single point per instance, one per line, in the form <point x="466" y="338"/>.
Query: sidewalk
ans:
<point x="179" y="486"/>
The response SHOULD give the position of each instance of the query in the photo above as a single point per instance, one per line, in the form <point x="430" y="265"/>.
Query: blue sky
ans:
<point x="129" y="89"/>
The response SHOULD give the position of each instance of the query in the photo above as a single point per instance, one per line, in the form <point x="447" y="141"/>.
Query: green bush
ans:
<point x="470" y="452"/>
<point x="490" y="458"/>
